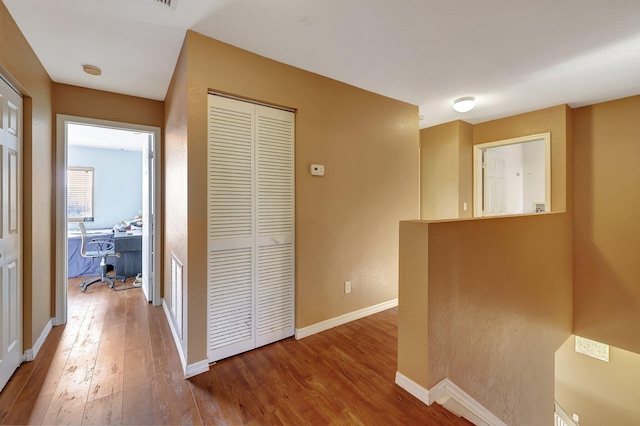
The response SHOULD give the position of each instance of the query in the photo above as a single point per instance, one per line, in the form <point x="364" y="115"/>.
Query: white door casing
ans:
<point x="62" y="122"/>
<point x="250" y="226"/>
<point x="147" y="218"/>
<point x="10" y="232"/>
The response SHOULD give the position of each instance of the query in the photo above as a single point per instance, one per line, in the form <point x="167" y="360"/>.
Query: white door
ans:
<point x="10" y="243"/>
<point x="148" y="203"/>
<point x="274" y="219"/>
<point x="231" y="228"/>
<point x="251" y="223"/>
<point x="495" y="202"/>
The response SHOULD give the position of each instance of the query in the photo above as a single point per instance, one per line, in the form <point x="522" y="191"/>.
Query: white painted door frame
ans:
<point x="148" y="213"/>
<point x="61" y="205"/>
<point x="478" y="186"/>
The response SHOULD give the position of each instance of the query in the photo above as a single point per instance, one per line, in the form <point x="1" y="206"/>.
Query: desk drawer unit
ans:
<point x="130" y="249"/>
<point x="128" y="243"/>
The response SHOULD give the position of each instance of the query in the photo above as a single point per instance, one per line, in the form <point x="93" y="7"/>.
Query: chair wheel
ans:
<point x="84" y="289"/>
<point x="111" y="285"/>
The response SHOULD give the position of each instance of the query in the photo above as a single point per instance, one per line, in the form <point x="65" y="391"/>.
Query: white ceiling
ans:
<point x="512" y="55"/>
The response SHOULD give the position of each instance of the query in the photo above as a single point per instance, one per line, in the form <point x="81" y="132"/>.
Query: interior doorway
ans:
<point x="513" y="176"/>
<point x="127" y="156"/>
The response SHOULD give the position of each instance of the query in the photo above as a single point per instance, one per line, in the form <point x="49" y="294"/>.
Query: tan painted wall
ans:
<point x="413" y="302"/>
<point x="556" y="120"/>
<point x="90" y="103"/>
<point x="176" y="177"/>
<point x="607" y="229"/>
<point x="465" y="184"/>
<point x="600" y="393"/>
<point x="485" y="297"/>
<point x="492" y="327"/>
<point x="23" y="68"/>
<point x="445" y="171"/>
<point x="446" y="154"/>
<point x="346" y="221"/>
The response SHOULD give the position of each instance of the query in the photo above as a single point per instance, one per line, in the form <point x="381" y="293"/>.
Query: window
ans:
<point x="80" y="194"/>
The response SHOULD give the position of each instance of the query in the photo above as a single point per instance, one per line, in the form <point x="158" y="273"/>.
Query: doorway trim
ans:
<point x="61" y="280"/>
<point x="477" y="167"/>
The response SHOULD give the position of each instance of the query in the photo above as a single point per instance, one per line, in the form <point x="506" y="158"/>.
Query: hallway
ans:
<point x="115" y="363"/>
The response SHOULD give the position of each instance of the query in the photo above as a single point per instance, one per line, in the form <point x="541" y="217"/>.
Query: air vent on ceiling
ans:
<point x="169" y="3"/>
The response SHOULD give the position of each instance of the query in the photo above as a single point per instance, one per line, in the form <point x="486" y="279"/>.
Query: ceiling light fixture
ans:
<point x="91" y="69"/>
<point x="464" y="104"/>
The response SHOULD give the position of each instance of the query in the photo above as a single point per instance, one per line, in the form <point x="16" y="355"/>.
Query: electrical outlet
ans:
<point x="576" y="418"/>
<point x="347" y="287"/>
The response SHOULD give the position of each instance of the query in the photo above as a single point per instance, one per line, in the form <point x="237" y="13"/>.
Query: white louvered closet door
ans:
<point x="250" y="229"/>
<point x="275" y="278"/>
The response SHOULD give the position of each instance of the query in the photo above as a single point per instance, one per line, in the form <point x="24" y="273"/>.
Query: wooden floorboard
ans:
<point x="115" y="362"/>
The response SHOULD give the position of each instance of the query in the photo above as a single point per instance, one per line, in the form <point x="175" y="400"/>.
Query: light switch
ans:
<point x="317" y="170"/>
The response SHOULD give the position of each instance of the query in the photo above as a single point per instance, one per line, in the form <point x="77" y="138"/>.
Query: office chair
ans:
<point x="103" y="249"/>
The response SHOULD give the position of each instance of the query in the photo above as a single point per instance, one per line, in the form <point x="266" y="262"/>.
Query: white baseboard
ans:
<point x="343" y="319"/>
<point x="189" y="370"/>
<point x="451" y="397"/>
<point x="454" y="399"/>
<point x="413" y="388"/>
<point x="563" y="416"/>
<point x="30" y="354"/>
<point x="196" y="368"/>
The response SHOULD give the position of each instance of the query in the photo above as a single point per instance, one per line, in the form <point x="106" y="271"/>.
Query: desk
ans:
<point x="129" y="245"/>
<point x="79" y="266"/>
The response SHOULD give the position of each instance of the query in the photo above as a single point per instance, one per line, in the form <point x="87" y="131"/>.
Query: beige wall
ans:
<point x="90" y="103"/>
<point x="446" y="168"/>
<point x="479" y="313"/>
<point x="601" y="393"/>
<point x="491" y="328"/>
<point x="413" y="302"/>
<point x="445" y="171"/>
<point x="22" y="67"/>
<point x="346" y="221"/>
<point x="606" y="225"/>
<point x="176" y="177"/>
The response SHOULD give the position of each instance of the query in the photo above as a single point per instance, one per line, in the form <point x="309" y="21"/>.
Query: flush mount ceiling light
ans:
<point x="464" y="104"/>
<point x="91" y="69"/>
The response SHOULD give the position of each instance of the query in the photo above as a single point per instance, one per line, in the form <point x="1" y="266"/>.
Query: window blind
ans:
<point x="80" y="193"/>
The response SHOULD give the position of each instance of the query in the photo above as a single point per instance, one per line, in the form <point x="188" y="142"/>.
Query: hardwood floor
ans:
<point x="114" y="362"/>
